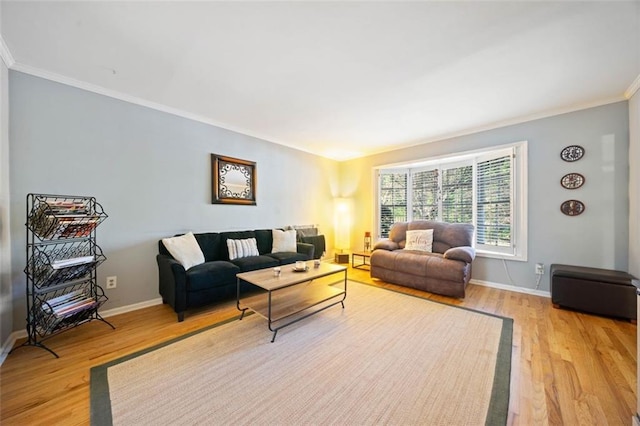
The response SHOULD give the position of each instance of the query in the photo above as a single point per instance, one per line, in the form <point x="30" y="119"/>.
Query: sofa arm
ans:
<point x="386" y="245"/>
<point x="306" y="249"/>
<point x="463" y="253"/>
<point x="172" y="284"/>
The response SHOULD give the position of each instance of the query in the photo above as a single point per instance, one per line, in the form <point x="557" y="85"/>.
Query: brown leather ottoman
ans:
<point x="597" y="291"/>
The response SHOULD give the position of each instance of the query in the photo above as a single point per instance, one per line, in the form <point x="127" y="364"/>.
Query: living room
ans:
<point x="149" y="166"/>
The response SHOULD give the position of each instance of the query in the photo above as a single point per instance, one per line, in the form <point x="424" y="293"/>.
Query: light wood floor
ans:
<point x="568" y="368"/>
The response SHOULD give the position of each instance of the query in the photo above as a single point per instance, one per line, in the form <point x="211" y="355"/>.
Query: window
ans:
<point x="393" y="199"/>
<point x="425" y="194"/>
<point x="457" y="194"/>
<point x="486" y="188"/>
<point x="494" y="201"/>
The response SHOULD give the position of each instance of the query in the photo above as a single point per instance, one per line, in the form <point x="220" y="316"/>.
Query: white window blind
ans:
<point x="457" y="194"/>
<point x="486" y="188"/>
<point x="425" y="194"/>
<point x="393" y="200"/>
<point x="494" y="202"/>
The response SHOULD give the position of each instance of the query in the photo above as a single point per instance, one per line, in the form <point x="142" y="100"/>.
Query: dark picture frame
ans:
<point x="233" y="181"/>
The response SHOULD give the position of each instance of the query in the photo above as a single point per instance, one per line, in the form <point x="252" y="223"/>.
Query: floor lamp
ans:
<point x="342" y="227"/>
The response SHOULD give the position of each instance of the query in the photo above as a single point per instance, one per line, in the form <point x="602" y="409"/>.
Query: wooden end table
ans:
<point x="364" y="256"/>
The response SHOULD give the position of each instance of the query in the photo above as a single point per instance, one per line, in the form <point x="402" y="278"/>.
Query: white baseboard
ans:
<point x="21" y="334"/>
<point x="525" y="290"/>
<point x="129" y="308"/>
<point x="11" y="340"/>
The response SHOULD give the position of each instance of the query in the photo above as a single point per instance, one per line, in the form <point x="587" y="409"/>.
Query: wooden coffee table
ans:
<point x="293" y="296"/>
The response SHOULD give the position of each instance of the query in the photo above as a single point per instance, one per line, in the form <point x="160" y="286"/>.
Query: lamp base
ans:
<point x="341" y="258"/>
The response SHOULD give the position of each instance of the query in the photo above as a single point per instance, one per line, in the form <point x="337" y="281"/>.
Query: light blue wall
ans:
<point x="598" y="238"/>
<point x="151" y="172"/>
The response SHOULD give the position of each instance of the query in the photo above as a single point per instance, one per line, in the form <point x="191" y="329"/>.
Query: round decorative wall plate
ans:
<point x="572" y="207"/>
<point x="572" y="181"/>
<point x="572" y="153"/>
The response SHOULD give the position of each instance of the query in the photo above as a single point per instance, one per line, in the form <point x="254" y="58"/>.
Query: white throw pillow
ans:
<point x="242" y="248"/>
<point x="420" y="240"/>
<point x="284" y="241"/>
<point x="185" y="249"/>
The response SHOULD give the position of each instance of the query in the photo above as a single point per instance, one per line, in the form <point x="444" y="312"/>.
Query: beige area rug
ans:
<point x="386" y="358"/>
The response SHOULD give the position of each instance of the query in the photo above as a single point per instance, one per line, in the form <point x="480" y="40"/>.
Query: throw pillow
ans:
<point x="306" y="232"/>
<point x="420" y="240"/>
<point x="242" y="248"/>
<point x="284" y="241"/>
<point x="185" y="249"/>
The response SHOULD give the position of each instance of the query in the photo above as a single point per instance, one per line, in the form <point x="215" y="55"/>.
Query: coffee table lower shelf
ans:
<point x="294" y="300"/>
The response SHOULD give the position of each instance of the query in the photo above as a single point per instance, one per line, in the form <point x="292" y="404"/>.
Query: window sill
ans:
<point x="504" y="256"/>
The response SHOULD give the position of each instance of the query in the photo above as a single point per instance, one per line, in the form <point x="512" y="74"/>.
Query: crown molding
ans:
<point x="184" y="114"/>
<point x="635" y="86"/>
<point x="7" y="58"/>
<point x="503" y="123"/>
<point x="58" y="78"/>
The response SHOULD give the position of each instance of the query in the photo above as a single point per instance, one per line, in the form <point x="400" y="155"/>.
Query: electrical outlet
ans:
<point x="112" y="282"/>
<point x="539" y="268"/>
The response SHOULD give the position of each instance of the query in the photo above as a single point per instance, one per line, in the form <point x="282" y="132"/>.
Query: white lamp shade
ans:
<point x="342" y="223"/>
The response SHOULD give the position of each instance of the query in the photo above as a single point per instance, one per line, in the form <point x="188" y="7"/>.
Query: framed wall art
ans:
<point x="233" y="181"/>
<point x="572" y="181"/>
<point x="572" y="153"/>
<point x="572" y="207"/>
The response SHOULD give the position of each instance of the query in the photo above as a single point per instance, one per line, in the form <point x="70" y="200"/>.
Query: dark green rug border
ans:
<point x="499" y="405"/>
<point x="99" y="400"/>
<point x="100" y="403"/>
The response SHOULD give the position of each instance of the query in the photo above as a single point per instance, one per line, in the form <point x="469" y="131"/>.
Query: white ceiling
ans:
<point x="338" y="79"/>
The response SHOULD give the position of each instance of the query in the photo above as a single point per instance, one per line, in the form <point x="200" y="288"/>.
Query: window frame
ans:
<point x="519" y="173"/>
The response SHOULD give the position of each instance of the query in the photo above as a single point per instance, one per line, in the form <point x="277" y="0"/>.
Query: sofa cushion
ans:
<point x="185" y="249"/>
<point x="264" y="237"/>
<point x="210" y="245"/>
<point x="242" y="248"/>
<point x="431" y="265"/>
<point x="223" y="253"/>
<point x="217" y="273"/>
<point x="398" y="232"/>
<point x="420" y="240"/>
<point x="284" y="241"/>
<point x="454" y="235"/>
<point x="445" y="235"/>
<point x="255" y="262"/>
<point x="285" y="258"/>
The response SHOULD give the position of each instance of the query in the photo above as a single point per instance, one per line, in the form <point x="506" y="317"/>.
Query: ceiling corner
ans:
<point x="7" y="58"/>
<point x="635" y="86"/>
